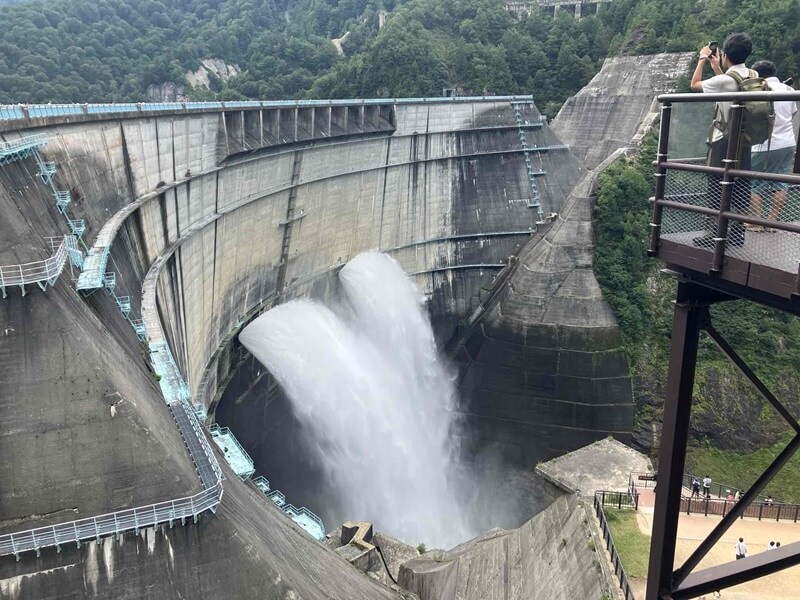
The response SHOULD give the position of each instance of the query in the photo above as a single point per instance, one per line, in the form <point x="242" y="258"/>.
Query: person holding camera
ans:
<point x="736" y="48"/>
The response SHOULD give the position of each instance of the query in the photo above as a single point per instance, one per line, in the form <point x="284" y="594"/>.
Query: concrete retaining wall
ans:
<point x="550" y="556"/>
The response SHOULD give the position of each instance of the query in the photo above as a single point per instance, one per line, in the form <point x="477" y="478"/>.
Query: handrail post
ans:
<point x="731" y="161"/>
<point x="661" y="178"/>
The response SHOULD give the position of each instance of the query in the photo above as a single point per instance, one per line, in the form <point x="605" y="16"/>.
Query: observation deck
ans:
<point x="729" y="232"/>
<point x="724" y="227"/>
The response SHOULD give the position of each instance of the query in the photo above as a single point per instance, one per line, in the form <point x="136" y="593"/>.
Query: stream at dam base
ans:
<point x="364" y="378"/>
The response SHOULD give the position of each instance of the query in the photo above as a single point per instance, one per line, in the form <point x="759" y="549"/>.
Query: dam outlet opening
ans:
<point x="366" y="420"/>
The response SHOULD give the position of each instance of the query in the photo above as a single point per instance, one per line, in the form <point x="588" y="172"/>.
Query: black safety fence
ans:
<point x="618" y="500"/>
<point x="757" y="510"/>
<point x="615" y="499"/>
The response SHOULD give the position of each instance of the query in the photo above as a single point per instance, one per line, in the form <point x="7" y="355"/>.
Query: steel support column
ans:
<point x="691" y="311"/>
<point x="664" y="581"/>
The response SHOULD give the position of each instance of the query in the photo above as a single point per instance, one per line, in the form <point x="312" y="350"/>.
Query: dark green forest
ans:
<point x="112" y="50"/>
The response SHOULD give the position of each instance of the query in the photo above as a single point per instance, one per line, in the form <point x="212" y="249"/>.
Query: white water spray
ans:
<point x="378" y="402"/>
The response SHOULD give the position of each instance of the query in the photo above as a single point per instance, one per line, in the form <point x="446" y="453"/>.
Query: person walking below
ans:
<point x="741" y="549"/>
<point x="707" y="486"/>
<point x="695" y="487"/>
<point x="776" y="155"/>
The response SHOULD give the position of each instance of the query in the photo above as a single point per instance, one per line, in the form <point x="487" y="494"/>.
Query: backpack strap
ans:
<point x="736" y="77"/>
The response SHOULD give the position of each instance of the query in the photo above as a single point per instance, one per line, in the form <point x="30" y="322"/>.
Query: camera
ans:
<point x="713" y="46"/>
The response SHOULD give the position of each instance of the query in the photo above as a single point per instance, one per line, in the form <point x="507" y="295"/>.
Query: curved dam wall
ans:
<point x="465" y="200"/>
<point x="84" y="429"/>
<point x="239" y="209"/>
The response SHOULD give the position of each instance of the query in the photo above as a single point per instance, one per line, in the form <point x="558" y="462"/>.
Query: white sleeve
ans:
<point x="715" y="84"/>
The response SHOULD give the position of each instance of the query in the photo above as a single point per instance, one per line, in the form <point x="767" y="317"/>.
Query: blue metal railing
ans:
<point x="277" y="497"/>
<point x="536" y="200"/>
<point x="52" y="110"/>
<point x="43" y="272"/>
<point x="94" y="269"/>
<point x="236" y="456"/>
<point x="310" y="522"/>
<point x="11" y="113"/>
<point x="63" y="200"/>
<point x="21" y="148"/>
<point x="36" y="111"/>
<point x="262" y="483"/>
<point x="173" y="386"/>
<point x="114" y="523"/>
<point x="134" y="519"/>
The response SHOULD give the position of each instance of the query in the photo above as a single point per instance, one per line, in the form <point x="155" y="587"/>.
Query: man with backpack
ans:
<point x="776" y="155"/>
<point x="735" y="77"/>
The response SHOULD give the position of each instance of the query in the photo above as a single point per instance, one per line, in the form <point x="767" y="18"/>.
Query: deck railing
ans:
<point x="314" y="527"/>
<point x="708" y="209"/>
<point x="599" y="499"/>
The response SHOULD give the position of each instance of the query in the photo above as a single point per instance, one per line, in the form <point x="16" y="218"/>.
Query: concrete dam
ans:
<point x="136" y="242"/>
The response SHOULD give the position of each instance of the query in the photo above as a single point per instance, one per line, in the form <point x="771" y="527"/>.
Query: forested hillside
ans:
<point x="101" y="50"/>
<point x="112" y="50"/>
<point x="104" y="50"/>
